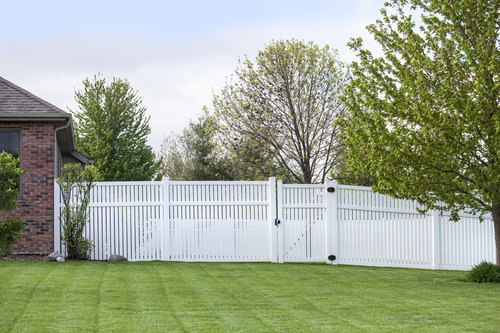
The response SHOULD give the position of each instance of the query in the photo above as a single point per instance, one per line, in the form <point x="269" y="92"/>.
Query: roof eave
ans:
<point x="35" y="117"/>
<point x="65" y="133"/>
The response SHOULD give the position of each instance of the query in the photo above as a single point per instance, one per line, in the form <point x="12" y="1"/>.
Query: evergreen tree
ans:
<point x="112" y="129"/>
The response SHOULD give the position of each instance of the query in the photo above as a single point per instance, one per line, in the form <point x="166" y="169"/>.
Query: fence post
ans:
<point x="331" y="237"/>
<point x="436" y="240"/>
<point x="165" y="246"/>
<point x="57" y="212"/>
<point x="271" y="217"/>
<point x="280" y="226"/>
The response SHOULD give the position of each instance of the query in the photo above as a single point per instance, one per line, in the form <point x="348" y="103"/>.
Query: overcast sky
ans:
<point x="175" y="53"/>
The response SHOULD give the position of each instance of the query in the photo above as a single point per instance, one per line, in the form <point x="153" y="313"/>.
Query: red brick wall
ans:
<point x="35" y="204"/>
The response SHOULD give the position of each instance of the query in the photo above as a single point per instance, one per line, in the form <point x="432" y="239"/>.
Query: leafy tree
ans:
<point x="10" y="228"/>
<point x="76" y="185"/>
<point x="286" y="102"/>
<point x="175" y="156"/>
<point x="425" y="116"/>
<point x="112" y="129"/>
<point x="344" y="175"/>
<point x="192" y="155"/>
<point x="250" y="160"/>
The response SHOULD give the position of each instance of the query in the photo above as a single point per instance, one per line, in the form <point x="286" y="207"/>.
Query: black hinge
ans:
<point x="276" y="222"/>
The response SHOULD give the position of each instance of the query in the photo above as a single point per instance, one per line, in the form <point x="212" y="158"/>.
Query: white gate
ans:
<point x="302" y="223"/>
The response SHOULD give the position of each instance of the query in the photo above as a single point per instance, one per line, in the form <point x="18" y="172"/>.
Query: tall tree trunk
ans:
<point x="496" y="220"/>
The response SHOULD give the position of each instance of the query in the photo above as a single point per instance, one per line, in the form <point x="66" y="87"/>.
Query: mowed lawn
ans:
<point x="233" y="297"/>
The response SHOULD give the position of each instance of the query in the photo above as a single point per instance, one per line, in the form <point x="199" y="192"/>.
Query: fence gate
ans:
<point x="303" y="225"/>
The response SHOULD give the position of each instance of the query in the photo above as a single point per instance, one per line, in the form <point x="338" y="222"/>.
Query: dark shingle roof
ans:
<point x="16" y="100"/>
<point x="18" y="104"/>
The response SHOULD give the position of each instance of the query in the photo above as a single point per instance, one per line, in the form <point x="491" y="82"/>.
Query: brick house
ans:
<point x="42" y="136"/>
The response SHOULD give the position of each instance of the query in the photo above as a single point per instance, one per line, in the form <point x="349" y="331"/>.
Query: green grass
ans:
<point x="248" y="297"/>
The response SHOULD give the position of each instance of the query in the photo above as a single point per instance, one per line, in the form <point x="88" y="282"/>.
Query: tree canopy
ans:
<point x="192" y="154"/>
<point x="112" y="129"/>
<point x="286" y="103"/>
<point x="425" y="116"/>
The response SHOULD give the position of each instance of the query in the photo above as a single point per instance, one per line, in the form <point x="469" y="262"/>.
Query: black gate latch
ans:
<point x="276" y="222"/>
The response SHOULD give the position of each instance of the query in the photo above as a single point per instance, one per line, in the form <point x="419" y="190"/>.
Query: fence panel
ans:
<point x="466" y="243"/>
<point x="377" y="230"/>
<point x="126" y="218"/>
<point x="220" y="221"/>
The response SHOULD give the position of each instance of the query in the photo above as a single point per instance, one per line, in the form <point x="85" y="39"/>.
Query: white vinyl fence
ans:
<point x="182" y="221"/>
<point x="271" y="221"/>
<point x="377" y="230"/>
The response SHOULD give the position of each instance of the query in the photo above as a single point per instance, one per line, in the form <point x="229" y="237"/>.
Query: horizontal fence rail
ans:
<point x="271" y="221"/>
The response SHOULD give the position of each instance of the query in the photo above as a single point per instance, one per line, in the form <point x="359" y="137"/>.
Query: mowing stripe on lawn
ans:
<point x="230" y="293"/>
<point x="241" y="297"/>
<point x="170" y="305"/>
<point x="27" y="291"/>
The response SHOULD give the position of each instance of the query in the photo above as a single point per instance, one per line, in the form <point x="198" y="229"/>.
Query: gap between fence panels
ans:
<point x="276" y="222"/>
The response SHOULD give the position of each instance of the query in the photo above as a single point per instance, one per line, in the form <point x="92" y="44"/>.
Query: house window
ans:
<point x="10" y="142"/>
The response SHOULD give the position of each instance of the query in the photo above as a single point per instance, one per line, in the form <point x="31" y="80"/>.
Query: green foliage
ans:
<point x="10" y="234"/>
<point x="251" y="160"/>
<point x="112" y="129"/>
<point x="10" y="228"/>
<point x="206" y="164"/>
<point x="484" y="272"/>
<point x="425" y="117"/>
<point x="279" y="112"/>
<point x="76" y="185"/>
<point x="345" y="176"/>
<point x="9" y="178"/>
<point x="192" y="155"/>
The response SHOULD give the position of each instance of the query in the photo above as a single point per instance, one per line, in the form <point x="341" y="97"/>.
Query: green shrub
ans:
<point x="10" y="229"/>
<point x="76" y="184"/>
<point x="484" y="272"/>
<point x="10" y="234"/>
<point x="9" y="178"/>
